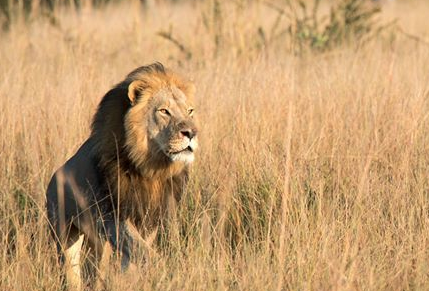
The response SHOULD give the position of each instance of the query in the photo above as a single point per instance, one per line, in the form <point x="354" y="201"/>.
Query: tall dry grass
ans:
<point x="313" y="170"/>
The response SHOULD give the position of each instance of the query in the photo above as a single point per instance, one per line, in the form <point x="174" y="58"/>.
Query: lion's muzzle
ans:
<point x="183" y="146"/>
<point x="189" y="133"/>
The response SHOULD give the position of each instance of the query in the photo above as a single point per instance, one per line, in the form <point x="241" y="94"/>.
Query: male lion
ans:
<point x="134" y="164"/>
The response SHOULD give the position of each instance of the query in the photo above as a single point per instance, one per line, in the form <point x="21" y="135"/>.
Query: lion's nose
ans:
<point x="189" y="133"/>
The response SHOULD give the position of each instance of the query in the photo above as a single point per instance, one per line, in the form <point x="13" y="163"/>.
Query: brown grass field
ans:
<point x="313" y="169"/>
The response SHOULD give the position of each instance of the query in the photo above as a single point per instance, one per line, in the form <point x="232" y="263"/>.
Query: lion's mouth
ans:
<point x="182" y="151"/>
<point x="188" y="149"/>
<point x="184" y="155"/>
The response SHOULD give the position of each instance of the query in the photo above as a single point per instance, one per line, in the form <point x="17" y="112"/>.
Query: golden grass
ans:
<point x="313" y="171"/>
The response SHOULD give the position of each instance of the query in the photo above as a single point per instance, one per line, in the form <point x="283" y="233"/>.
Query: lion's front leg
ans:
<point x="141" y="245"/>
<point x="121" y="241"/>
<point x="126" y="243"/>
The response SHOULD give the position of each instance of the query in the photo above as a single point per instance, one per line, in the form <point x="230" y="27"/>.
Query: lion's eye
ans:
<point x="190" y="111"/>
<point x="164" y="111"/>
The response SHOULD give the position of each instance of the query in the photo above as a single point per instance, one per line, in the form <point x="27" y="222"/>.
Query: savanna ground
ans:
<point x="313" y="168"/>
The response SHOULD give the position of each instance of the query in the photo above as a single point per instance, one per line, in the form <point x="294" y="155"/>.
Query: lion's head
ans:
<point x="149" y="118"/>
<point x="162" y="114"/>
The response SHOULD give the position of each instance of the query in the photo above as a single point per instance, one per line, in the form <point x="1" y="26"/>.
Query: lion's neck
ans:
<point x="144" y="189"/>
<point x="146" y="193"/>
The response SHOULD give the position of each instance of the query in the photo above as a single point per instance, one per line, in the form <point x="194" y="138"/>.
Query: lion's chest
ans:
<point x="147" y="198"/>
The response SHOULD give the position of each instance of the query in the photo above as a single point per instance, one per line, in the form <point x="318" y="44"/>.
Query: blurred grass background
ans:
<point x="313" y="168"/>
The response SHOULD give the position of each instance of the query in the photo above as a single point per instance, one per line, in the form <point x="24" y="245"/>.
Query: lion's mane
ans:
<point x="136" y="177"/>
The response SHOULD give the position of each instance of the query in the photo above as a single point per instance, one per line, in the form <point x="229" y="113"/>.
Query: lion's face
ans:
<point x="160" y="125"/>
<point x="171" y="128"/>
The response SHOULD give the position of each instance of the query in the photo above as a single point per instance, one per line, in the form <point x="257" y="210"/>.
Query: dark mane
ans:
<point x="112" y="148"/>
<point x="155" y="68"/>
<point x="124" y="176"/>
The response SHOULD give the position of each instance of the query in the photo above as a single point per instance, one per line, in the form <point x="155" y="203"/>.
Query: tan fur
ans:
<point x="72" y="257"/>
<point x="146" y="188"/>
<point x="131" y="168"/>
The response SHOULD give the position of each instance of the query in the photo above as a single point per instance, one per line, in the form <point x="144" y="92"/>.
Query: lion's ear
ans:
<point x="135" y="89"/>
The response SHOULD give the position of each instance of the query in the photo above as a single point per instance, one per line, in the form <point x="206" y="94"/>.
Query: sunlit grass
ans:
<point x="312" y="172"/>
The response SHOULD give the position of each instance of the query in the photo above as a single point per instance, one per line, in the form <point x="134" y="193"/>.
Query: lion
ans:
<point x="129" y="172"/>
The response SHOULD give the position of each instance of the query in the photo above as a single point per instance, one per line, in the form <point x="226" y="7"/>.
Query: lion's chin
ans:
<point x="185" y="156"/>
